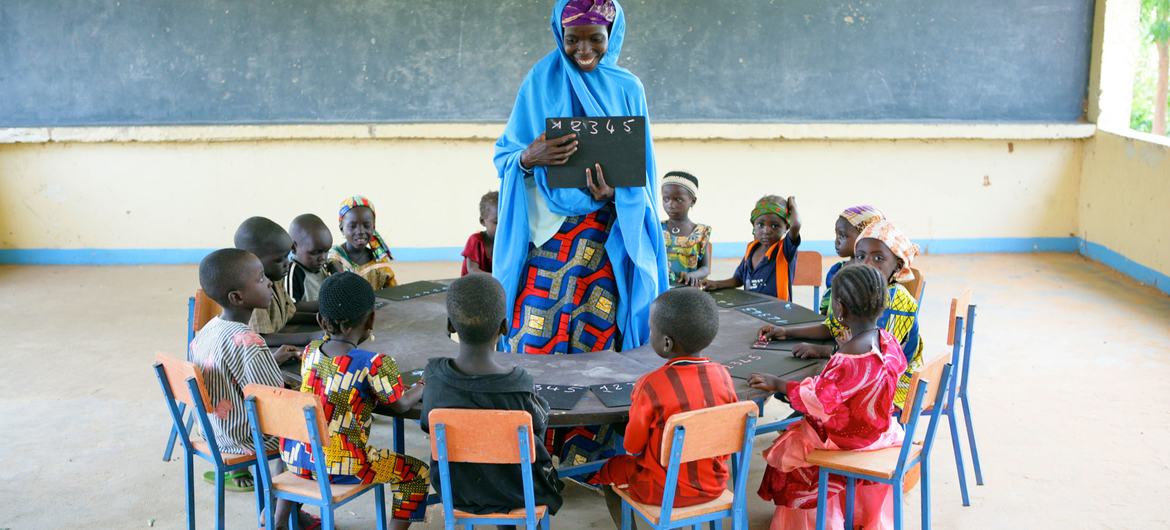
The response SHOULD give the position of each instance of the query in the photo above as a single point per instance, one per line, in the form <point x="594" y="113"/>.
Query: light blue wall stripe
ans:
<point x="1141" y="273"/>
<point x="984" y="245"/>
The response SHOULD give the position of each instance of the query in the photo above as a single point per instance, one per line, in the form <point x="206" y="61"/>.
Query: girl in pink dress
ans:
<point x="848" y="406"/>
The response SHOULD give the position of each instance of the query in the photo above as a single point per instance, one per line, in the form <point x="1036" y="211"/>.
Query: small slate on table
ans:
<point x="411" y="377"/>
<point x="408" y="291"/>
<point x="737" y="297"/>
<point x="780" y="313"/>
<point x="766" y="362"/>
<point x="561" y="397"/>
<point x="613" y="395"/>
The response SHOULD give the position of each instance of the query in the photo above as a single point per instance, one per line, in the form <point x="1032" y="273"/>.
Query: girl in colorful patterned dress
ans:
<point x="848" y="227"/>
<point x="885" y="248"/>
<point x="350" y="382"/>
<point x="364" y="252"/>
<point x="848" y="406"/>
<point x="688" y="244"/>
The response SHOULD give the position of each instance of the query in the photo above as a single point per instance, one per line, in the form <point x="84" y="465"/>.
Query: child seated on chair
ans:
<point x="848" y="227"/>
<point x="847" y="407"/>
<point x="351" y="381"/>
<point x="475" y="379"/>
<point x="683" y="322"/>
<point x="231" y="354"/>
<point x="885" y="248"/>
<point x="770" y="261"/>
<point x="477" y="253"/>
<point x="269" y="242"/>
<point x="688" y="244"/>
<point x="364" y="252"/>
<point x="311" y="241"/>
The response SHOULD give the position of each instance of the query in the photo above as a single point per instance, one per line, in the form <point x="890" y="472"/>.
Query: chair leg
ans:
<point x="190" y="491"/>
<point x="822" y="497"/>
<point x="327" y="518"/>
<point x="971" y="439"/>
<point x="716" y="524"/>
<point x="380" y="506"/>
<point x="259" y="489"/>
<point x="219" y="500"/>
<point x="897" y="506"/>
<point x="294" y="520"/>
<point x="958" y="450"/>
<point x="174" y="435"/>
<point x="850" y="495"/>
<point x="544" y="522"/>
<point x="924" y="484"/>
<point x="627" y="516"/>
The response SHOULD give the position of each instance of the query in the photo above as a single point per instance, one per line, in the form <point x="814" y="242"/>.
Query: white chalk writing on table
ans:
<point x="594" y="127"/>
<point x="559" y="388"/>
<point x="745" y="360"/>
<point x="614" y="387"/>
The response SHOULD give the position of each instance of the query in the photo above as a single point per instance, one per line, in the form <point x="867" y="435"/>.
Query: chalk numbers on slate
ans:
<point x="745" y="360"/>
<point x="764" y="315"/>
<point x="594" y="127"/>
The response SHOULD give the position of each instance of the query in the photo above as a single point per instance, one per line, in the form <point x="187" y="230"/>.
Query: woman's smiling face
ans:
<point x="586" y="45"/>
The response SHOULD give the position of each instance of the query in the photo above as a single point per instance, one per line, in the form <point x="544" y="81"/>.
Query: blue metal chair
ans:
<point x="485" y="437"/>
<point x="890" y="465"/>
<point x="713" y="432"/>
<point x="191" y="393"/>
<point x="200" y="309"/>
<point x="297" y="416"/>
<point x="964" y="375"/>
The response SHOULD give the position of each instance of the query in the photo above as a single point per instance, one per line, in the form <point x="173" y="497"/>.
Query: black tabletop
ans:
<point x="414" y="331"/>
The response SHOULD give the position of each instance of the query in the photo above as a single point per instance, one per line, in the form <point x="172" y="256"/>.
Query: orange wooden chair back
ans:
<point x="915" y="286"/>
<point x="205" y="310"/>
<point x="711" y="432"/>
<point x="932" y="373"/>
<point x="281" y="412"/>
<point x="958" y="309"/>
<point x="481" y="436"/>
<point x="809" y="269"/>
<point x="178" y="372"/>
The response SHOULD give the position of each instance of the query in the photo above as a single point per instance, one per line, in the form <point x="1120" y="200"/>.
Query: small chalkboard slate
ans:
<point x="561" y="397"/>
<point x="766" y="362"/>
<point x="411" y="377"/>
<point x="618" y="143"/>
<point x="738" y="297"/>
<point x="613" y="394"/>
<point x="782" y="313"/>
<point x="408" y="291"/>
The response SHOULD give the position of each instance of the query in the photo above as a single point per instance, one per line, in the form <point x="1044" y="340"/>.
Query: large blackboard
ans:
<point x="90" y="62"/>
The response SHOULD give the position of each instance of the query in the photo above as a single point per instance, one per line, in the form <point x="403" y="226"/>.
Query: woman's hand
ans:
<point x="555" y="152"/>
<point x="601" y="191"/>
<point x="690" y="279"/>
<point x="766" y="382"/>
<point x="812" y="351"/>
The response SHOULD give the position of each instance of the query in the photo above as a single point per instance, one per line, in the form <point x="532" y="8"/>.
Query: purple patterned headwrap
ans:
<point x="588" y="12"/>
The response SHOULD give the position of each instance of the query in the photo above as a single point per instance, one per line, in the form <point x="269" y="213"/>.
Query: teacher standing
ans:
<point x="580" y="266"/>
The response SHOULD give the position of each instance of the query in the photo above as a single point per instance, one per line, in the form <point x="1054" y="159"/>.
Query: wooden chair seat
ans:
<point x="518" y="513"/>
<point x="289" y="482"/>
<point x="654" y="513"/>
<point x="229" y="459"/>
<point x="880" y="463"/>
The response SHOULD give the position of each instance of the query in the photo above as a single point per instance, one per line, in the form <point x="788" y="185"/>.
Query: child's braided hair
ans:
<point x="861" y="289"/>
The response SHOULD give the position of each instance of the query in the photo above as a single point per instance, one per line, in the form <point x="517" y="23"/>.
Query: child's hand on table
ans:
<point x="812" y="351"/>
<point x="770" y="332"/>
<point x="767" y="382"/>
<point x="286" y="353"/>
<point x="688" y="280"/>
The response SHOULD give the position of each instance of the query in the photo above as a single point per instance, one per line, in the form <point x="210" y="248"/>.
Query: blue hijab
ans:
<point x="635" y="249"/>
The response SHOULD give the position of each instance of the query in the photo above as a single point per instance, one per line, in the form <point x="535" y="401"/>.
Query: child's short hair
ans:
<point x="475" y="305"/>
<point x="259" y="234"/>
<point x="491" y="198"/>
<point x="222" y="272"/>
<point x="861" y="289"/>
<point x="345" y="300"/>
<point x="305" y="225"/>
<point x="689" y="316"/>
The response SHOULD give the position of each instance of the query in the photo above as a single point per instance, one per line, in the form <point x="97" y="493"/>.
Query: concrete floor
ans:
<point x="1070" y="395"/>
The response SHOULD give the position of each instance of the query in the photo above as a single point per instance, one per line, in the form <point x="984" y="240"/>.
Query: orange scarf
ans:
<point x="774" y="252"/>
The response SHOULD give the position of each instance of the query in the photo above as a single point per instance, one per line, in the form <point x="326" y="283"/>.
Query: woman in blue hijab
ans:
<point x="580" y="266"/>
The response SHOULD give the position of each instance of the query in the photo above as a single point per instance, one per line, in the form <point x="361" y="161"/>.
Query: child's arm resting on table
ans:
<point x="642" y="416"/>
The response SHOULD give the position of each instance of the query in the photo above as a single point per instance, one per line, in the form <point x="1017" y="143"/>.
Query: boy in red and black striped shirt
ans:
<point x="682" y="323"/>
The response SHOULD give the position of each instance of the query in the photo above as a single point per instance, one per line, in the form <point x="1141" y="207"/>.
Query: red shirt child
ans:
<point x="682" y="322"/>
<point x="477" y="253"/>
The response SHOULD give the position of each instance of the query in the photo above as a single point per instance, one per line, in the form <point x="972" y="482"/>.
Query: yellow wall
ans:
<point x="1125" y="187"/>
<point x="165" y="194"/>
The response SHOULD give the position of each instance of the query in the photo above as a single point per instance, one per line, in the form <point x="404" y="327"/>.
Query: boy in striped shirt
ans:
<point x="682" y="323"/>
<point x="231" y="354"/>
